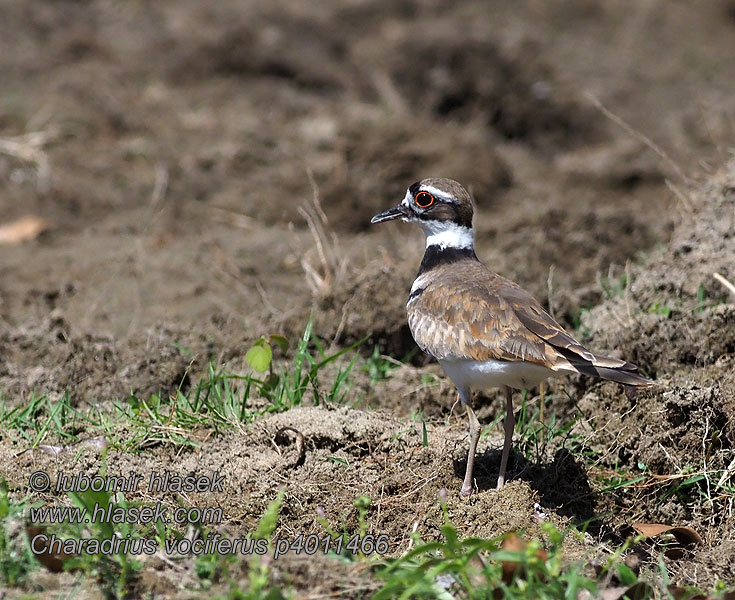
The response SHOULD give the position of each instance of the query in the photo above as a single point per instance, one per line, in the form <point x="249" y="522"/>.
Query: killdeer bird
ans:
<point x="485" y="330"/>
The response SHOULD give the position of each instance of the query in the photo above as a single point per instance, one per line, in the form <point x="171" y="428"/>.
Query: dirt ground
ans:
<point x="174" y="151"/>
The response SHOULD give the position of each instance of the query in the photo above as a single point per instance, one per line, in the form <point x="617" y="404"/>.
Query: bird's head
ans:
<point x="441" y="207"/>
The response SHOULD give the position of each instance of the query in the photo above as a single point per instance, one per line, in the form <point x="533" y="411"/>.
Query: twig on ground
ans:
<point x="300" y="445"/>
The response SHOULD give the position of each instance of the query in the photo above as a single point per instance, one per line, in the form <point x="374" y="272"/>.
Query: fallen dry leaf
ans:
<point x="637" y="591"/>
<point x="515" y="543"/>
<point x="685" y="593"/>
<point x="684" y="535"/>
<point x="27" y="228"/>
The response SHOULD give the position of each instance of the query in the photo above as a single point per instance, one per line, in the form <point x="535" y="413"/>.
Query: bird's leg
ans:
<point x="468" y="486"/>
<point x="509" y="427"/>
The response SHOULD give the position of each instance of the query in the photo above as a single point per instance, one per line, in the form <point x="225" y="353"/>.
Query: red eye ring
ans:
<point x="424" y="199"/>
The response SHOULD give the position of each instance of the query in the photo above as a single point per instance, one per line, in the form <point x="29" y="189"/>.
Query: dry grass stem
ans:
<point x="232" y="217"/>
<point x="728" y="284"/>
<point x="389" y="94"/>
<point x="29" y="148"/>
<point x="549" y="284"/>
<point x="626" y="293"/>
<point x="331" y="263"/>
<point x="160" y="186"/>
<point x="639" y="136"/>
<point x="687" y="203"/>
<point x="727" y="473"/>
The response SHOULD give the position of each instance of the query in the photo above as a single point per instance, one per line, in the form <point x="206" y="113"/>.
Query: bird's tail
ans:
<point x="577" y="357"/>
<point x="612" y="369"/>
<point x="624" y="376"/>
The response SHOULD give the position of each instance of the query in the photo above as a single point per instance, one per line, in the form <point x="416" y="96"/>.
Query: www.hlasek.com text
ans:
<point x="116" y="514"/>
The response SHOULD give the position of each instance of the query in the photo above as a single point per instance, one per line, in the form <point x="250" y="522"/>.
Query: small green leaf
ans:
<point x="272" y="381"/>
<point x="269" y="520"/>
<point x="626" y="574"/>
<point x="259" y="356"/>
<point x="279" y="341"/>
<point x="133" y="402"/>
<point x="362" y="502"/>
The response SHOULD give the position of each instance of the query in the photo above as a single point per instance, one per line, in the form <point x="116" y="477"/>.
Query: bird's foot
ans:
<point x="467" y="491"/>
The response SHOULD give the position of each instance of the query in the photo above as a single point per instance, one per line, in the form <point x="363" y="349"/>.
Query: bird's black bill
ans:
<point x="392" y="213"/>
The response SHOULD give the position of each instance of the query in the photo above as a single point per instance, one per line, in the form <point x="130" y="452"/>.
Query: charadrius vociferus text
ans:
<point x="485" y="330"/>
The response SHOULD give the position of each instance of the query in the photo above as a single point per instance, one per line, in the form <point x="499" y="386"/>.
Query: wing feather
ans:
<point x="469" y="312"/>
<point x="464" y="317"/>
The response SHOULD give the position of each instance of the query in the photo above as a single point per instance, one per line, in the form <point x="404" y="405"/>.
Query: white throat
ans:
<point x="447" y="234"/>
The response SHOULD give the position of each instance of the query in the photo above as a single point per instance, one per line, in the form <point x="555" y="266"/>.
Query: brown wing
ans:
<point x="540" y="323"/>
<point x="465" y="312"/>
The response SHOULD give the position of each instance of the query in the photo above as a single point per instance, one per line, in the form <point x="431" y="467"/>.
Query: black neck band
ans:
<point x="437" y="255"/>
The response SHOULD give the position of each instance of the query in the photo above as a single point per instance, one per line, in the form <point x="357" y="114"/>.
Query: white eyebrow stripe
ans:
<point x="407" y="199"/>
<point x="436" y="192"/>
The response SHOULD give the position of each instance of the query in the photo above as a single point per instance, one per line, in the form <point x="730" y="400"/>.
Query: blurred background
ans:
<point x="212" y="167"/>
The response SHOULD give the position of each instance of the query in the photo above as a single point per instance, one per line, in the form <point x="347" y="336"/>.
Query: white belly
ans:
<point x="471" y="374"/>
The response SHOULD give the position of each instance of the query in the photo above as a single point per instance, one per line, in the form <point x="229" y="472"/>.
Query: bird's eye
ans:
<point x="424" y="199"/>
